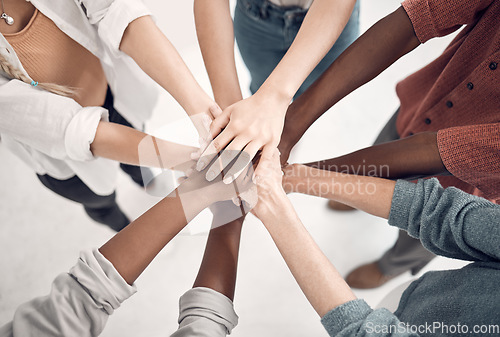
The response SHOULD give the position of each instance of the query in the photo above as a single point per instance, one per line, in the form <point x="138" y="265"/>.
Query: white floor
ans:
<point x="42" y="234"/>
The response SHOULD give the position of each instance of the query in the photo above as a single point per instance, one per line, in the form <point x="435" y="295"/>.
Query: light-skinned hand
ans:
<point x="242" y="130"/>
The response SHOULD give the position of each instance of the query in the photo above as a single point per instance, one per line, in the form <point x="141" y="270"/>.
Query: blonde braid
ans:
<point x="17" y="74"/>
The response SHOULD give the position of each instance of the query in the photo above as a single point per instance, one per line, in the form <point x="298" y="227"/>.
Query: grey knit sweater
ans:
<point x="463" y="302"/>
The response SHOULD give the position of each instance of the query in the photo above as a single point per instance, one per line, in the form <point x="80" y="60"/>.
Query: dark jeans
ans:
<point x="407" y="253"/>
<point x="102" y="209"/>
<point x="264" y="33"/>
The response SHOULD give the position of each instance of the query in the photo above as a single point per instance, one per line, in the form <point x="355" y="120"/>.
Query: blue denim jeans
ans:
<point x="264" y="32"/>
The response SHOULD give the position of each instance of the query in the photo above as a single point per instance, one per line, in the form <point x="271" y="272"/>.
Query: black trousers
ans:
<point x="102" y="209"/>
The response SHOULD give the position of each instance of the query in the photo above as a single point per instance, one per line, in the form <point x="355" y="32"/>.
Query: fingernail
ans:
<point x="200" y="165"/>
<point x="210" y="175"/>
<point x="254" y="178"/>
<point x="228" y="179"/>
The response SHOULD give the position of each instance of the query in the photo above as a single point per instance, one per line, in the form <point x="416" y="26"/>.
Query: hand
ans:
<point x="285" y="150"/>
<point x="202" y="122"/>
<point x="196" y="187"/>
<point x="247" y="126"/>
<point x="269" y="187"/>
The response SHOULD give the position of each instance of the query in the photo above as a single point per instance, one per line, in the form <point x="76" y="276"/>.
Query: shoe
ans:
<point x="367" y="276"/>
<point x="337" y="206"/>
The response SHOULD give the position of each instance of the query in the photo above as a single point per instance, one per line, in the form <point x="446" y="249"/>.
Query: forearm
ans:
<point x="130" y="146"/>
<point x="220" y="262"/>
<point x="132" y="249"/>
<point x="309" y="47"/>
<point x="385" y="42"/>
<point x="409" y="158"/>
<point x="323" y="286"/>
<point x="214" y="28"/>
<point x="372" y="195"/>
<point x="153" y="52"/>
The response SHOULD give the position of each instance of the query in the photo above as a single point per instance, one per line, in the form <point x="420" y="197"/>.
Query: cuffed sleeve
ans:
<point x="205" y="312"/>
<point x="356" y="318"/>
<point x="81" y="131"/>
<point x="434" y="18"/>
<point x="448" y="222"/>
<point x="79" y="303"/>
<point x="112" y="17"/>
<point x="52" y="124"/>
<point x="472" y="154"/>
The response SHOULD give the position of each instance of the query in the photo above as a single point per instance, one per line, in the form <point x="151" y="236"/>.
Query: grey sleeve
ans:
<point x="79" y="302"/>
<point x="204" y="312"/>
<point x="356" y="318"/>
<point x="448" y="222"/>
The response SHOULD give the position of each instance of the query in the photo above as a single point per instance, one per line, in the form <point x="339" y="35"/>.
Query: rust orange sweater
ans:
<point x="458" y="94"/>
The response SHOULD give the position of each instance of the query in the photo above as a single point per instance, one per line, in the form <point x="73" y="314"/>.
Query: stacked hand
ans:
<point x="239" y="132"/>
<point x="269" y="187"/>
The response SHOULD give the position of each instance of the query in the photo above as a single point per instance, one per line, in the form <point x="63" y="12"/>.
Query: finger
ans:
<point x="213" y="149"/>
<point x="226" y="157"/>
<point x="218" y="124"/>
<point x="242" y="162"/>
<point x="269" y="155"/>
<point x="202" y="122"/>
<point x="215" y="111"/>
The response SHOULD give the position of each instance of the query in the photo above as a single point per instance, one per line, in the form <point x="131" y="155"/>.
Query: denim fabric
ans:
<point x="264" y="32"/>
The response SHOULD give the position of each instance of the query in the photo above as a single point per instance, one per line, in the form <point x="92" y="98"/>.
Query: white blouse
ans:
<point x="79" y="304"/>
<point x="51" y="133"/>
<point x="81" y="301"/>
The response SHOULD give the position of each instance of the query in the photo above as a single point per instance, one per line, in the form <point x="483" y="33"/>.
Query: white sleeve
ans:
<point x="52" y="124"/>
<point x="204" y="312"/>
<point x="79" y="303"/>
<point x="112" y="17"/>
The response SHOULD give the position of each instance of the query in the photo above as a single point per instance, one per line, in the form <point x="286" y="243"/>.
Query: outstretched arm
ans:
<point x="153" y="52"/>
<point x="319" y="280"/>
<point x="449" y="222"/>
<point x="409" y="158"/>
<point x="353" y="190"/>
<point x="132" y="249"/>
<point x="385" y="42"/>
<point x="214" y="28"/>
<point x="130" y="146"/>
<point x="81" y="301"/>
<point x="220" y="262"/>
<point x="256" y="123"/>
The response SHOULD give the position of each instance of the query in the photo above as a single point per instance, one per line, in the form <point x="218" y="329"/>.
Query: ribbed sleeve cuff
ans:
<point x="402" y="199"/>
<point x="101" y="280"/>
<point x="344" y="315"/>
<point x="81" y="131"/>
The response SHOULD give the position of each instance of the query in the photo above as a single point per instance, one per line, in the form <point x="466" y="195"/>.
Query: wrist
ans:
<point x="276" y="95"/>
<point x="200" y="103"/>
<point x="272" y="205"/>
<point x="225" y="97"/>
